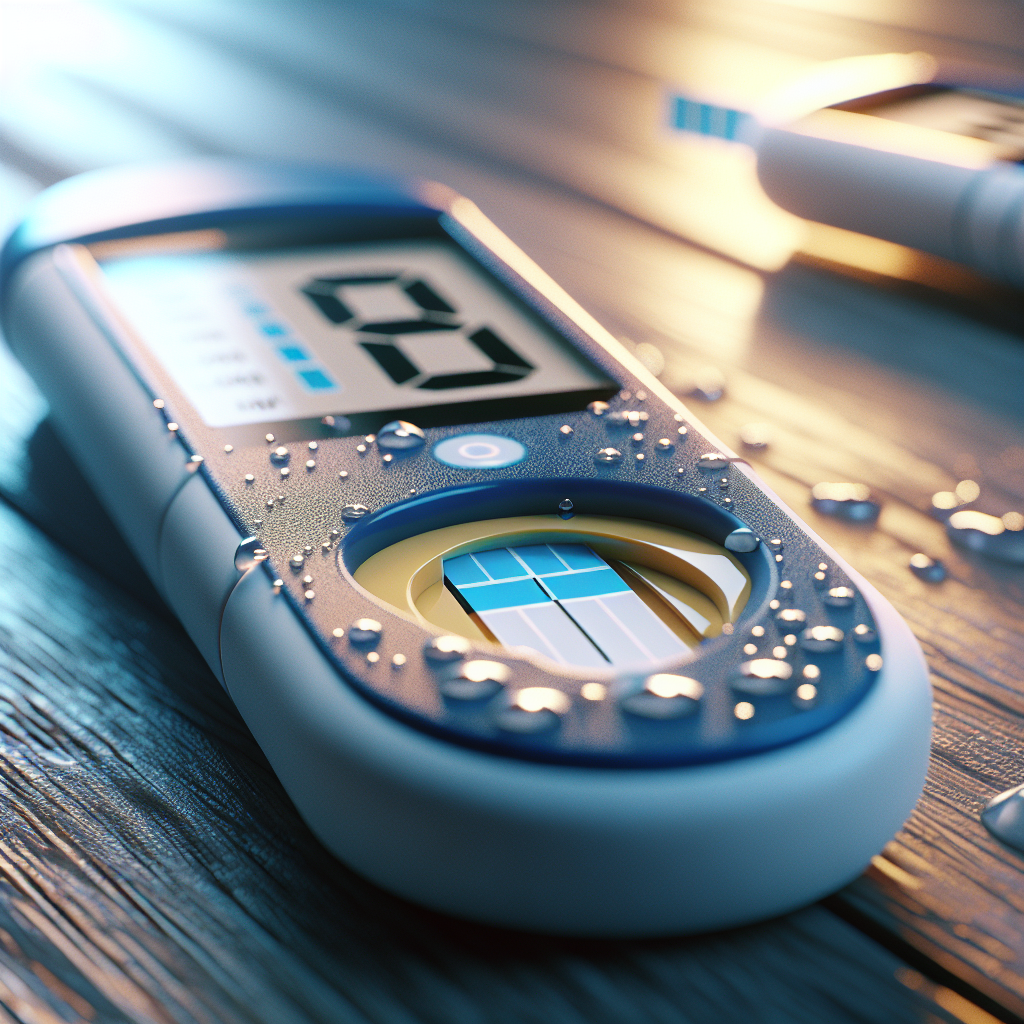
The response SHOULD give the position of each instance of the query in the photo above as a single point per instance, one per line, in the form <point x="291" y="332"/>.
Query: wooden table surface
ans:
<point x="151" y="867"/>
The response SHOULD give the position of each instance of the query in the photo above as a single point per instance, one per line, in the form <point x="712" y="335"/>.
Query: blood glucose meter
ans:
<point x="905" y="147"/>
<point x="523" y="642"/>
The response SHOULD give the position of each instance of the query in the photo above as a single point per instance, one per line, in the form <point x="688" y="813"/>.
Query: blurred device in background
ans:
<point x="918" y="151"/>
<point x="580" y="95"/>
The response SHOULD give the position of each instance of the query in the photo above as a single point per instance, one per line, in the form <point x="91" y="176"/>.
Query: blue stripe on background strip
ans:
<point x="708" y="119"/>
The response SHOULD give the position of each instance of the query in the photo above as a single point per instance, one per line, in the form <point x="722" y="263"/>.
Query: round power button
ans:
<point x="479" y="451"/>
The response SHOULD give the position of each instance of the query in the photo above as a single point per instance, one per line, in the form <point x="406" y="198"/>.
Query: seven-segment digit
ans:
<point x="391" y="306"/>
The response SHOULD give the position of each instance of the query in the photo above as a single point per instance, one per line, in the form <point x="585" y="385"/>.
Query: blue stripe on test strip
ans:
<point x="518" y="594"/>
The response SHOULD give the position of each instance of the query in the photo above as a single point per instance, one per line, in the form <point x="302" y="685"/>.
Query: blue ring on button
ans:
<point x="479" y="451"/>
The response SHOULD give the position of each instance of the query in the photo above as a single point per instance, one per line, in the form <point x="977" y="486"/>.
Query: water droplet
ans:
<point x="474" y="680"/>
<point x="652" y="358"/>
<point x="773" y="604"/>
<point x="158" y="403"/>
<point x="756" y="435"/>
<point x="820" y="578"/>
<point x="873" y="663"/>
<point x="249" y="553"/>
<point x="822" y="639"/>
<point x="608" y="456"/>
<point x="172" y="427"/>
<point x="257" y="523"/>
<point x="279" y="455"/>
<point x="361" y="448"/>
<point x="444" y="649"/>
<point x="343" y="475"/>
<point x="637" y="438"/>
<point x="310" y="465"/>
<point x="928" y="569"/>
<point x="249" y="478"/>
<point x="388" y="457"/>
<point x="1001" y="538"/>
<point x="365" y="631"/>
<point x="727" y="628"/>
<point x="723" y="484"/>
<point x="640" y="457"/>
<point x="400" y="435"/>
<point x="398" y="660"/>
<point x="789" y="639"/>
<point x="228" y="449"/>
<point x="741" y="539"/>
<point x="325" y="545"/>
<point x="370" y="438"/>
<point x="625" y="395"/>
<point x="682" y="432"/>
<point x="337" y="633"/>
<point x="285" y="471"/>
<point x="309" y="595"/>
<point x="1003" y="816"/>
<point x="744" y="711"/>
<point x="337" y="423"/>
<point x="750" y="650"/>
<point x="712" y="462"/>
<point x="726" y="501"/>
<point x="565" y="508"/>
<point x="785" y="588"/>
<point x="852" y="502"/>
<point x="787" y="616"/>
<point x="597" y="408"/>
<point x="811" y="672"/>
<point x="278" y="584"/>
<point x="708" y="385"/>
<point x="308" y="549"/>
<point x="372" y="657"/>
<point x="864" y="634"/>
<point x="757" y="631"/>
<point x="350" y="513"/>
<point x="269" y="438"/>
<point x="702" y="490"/>
<point x="665" y="695"/>
<point x="681" y="471"/>
<point x="840" y="597"/>
<point x="297" y="562"/>
<point x="533" y="709"/>
<point x="779" y="559"/>
<point x="313" y="446"/>
<point x="779" y="652"/>
<point x="764" y="677"/>
<point x="775" y="544"/>
<point x="663" y="444"/>
<point x="307" y="580"/>
<point x="593" y="691"/>
<point x="806" y="695"/>
<point x="565" y="430"/>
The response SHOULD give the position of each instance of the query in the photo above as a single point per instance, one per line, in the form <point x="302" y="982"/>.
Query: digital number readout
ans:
<point x="253" y="337"/>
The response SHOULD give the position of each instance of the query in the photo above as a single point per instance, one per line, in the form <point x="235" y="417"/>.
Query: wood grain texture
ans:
<point x="153" y="870"/>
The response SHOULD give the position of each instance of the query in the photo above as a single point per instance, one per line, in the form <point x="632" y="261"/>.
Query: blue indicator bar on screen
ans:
<point x="316" y="379"/>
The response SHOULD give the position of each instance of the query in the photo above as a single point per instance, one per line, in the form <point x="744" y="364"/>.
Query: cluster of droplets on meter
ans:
<point x="789" y="666"/>
<point x="569" y="651"/>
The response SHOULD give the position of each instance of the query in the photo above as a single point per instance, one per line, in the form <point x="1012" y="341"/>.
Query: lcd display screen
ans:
<point x="256" y="337"/>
